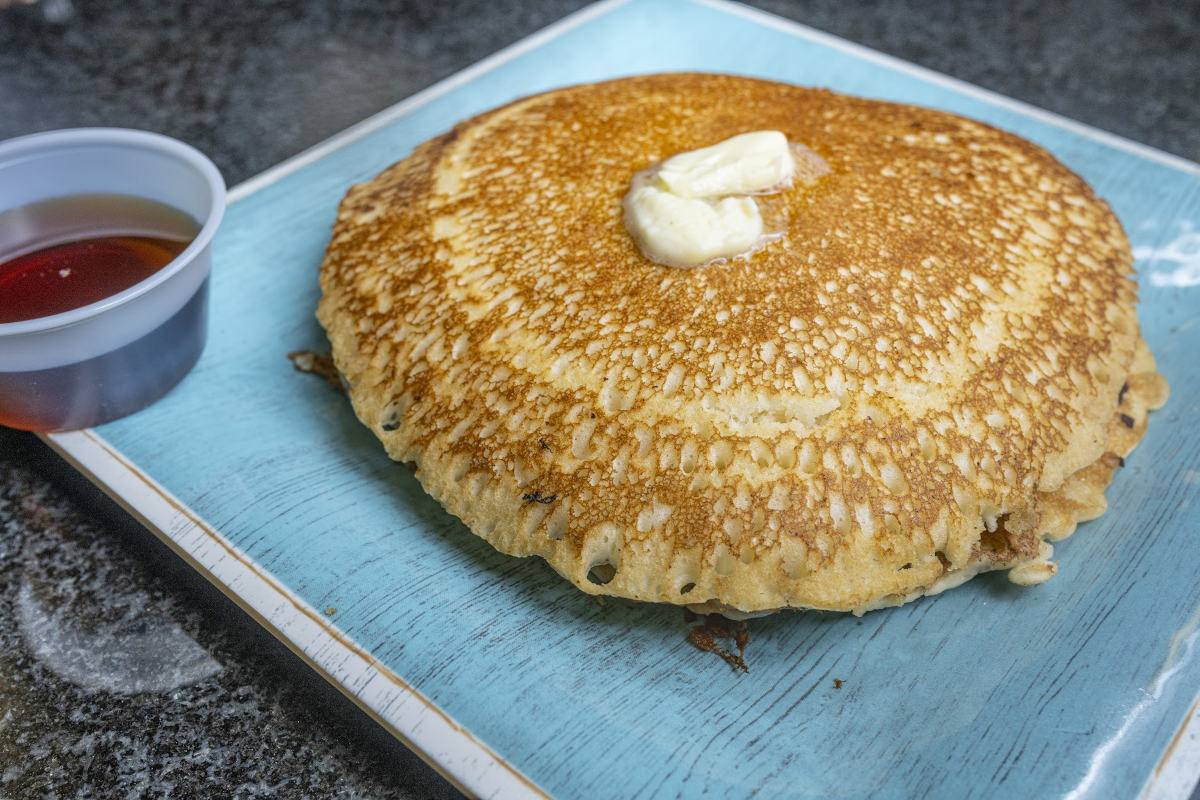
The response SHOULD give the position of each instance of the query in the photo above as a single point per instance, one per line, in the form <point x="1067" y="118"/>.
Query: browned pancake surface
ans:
<point x="893" y="397"/>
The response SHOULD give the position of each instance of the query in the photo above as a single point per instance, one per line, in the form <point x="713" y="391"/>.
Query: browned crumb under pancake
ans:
<point x="715" y="627"/>
<point x="924" y="379"/>
<point x="320" y="364"/>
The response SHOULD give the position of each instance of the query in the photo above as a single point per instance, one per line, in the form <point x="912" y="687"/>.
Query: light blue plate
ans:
<point x="1081" y="687"/>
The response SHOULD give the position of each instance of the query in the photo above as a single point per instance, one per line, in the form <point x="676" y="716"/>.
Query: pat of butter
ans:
<point x="689" y="231"/>
<point x="744" y="164"/>
<point x="695" y="207"/>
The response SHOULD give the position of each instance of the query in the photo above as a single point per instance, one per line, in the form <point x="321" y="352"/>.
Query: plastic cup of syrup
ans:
<point x="105" y="239"/>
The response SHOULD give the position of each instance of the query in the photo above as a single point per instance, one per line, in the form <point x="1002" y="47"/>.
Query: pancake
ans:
<point x="932" y="372"/>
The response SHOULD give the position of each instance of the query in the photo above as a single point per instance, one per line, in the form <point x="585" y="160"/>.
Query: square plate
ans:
<point x="512" y="682"/>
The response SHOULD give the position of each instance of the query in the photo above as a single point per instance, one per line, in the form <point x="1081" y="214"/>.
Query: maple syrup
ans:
<point x="66" y="253"/>
<point x="60" y="254"/>
<point x="109" y="385"/>
<point x="79" y="273"/>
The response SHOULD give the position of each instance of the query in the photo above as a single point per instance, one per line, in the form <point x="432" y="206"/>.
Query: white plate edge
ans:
<point x="798" y="29"/>
<point x="995" y="98"/>
<point x="415" y="101"/>
<point x="415" y="720"/>
<point x="1175" y="774"/>
<point x="101" y="462"/>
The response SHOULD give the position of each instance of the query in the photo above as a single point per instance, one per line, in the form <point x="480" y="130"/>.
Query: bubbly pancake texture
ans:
<point x="933" y="372"/>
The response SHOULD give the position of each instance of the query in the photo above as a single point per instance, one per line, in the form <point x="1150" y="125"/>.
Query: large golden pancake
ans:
<point x="936" y="369"/>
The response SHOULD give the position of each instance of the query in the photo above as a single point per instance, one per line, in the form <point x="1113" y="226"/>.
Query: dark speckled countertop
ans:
<point x="122" y="674"/>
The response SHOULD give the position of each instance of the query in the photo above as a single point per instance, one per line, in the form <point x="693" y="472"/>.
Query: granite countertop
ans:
<point x="122" y="673"/>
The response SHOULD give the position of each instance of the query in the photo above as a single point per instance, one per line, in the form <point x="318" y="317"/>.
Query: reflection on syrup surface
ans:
<point x="68" y="252"/>
<point x="79" y="273"/>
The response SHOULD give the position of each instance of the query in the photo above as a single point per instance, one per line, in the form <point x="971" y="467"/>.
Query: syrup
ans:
<point x="67" y="276"/>
<point x="68" y="252"/>
<point x="112" y="384"/>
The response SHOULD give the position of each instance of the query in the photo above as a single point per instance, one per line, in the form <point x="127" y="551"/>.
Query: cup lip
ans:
<point x="127" y="137"/>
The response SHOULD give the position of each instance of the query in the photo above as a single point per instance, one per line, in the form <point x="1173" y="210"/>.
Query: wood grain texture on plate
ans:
<point x="1074" y="688"/>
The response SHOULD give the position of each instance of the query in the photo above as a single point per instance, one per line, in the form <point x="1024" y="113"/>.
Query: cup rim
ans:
<point x="126" y="137"/>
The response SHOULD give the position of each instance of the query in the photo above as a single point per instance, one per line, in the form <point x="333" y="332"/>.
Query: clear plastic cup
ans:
<point x="104" y="360"/>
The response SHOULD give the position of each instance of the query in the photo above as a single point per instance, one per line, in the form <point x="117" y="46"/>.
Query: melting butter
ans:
<point x="697" y="207"/>
<point x="745" y="164"/>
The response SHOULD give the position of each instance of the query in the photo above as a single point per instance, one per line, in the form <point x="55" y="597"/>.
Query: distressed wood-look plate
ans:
<point x="515" y="684"/>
